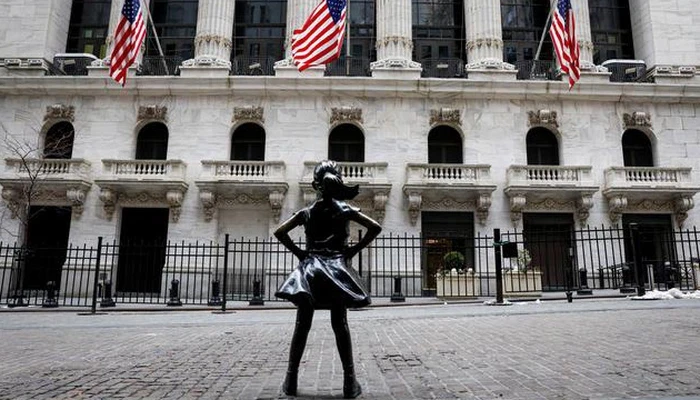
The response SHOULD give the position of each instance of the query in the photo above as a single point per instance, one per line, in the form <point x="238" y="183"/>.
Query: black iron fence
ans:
<point x="356" y="66"/>
<point x="255" y="66"/>
<point x="433" y="265"/>
<point x="160" y="66"/>
<point x="443" y="68"/>
<point x="537" y="70"/>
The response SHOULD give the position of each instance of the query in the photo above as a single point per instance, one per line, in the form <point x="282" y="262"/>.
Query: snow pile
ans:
<point x="670" y="294"/>
<point x="493" y="302"/>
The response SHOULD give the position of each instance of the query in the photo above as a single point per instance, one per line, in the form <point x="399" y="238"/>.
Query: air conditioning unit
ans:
<point x="73" y="63"/>
<point x="626" y="70"/>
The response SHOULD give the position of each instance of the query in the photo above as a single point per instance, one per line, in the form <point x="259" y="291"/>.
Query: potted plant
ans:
<point x="523" y="279"/>
<point x="454" y="279"/>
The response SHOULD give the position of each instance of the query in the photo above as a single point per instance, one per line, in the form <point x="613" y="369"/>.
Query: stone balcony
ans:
<point x="242" y="182"/>
<point x="143" y="183"/>
<point x="649" y="189"/>
<point x="50" y="182"/>
<point x="372" y="178"/>
<point x="448" y="187"/>
<point x="550" y="188"/>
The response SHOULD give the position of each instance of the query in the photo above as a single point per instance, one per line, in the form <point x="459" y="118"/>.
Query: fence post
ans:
<point x="499" y="272"/>
<point x="634" y="234"/>
<point x="18" y="297"/>
<point x="223" y="294"/>
<point x="257" y="299"/>
<point x="50" y="301"/>
<point x="93" y="310"/>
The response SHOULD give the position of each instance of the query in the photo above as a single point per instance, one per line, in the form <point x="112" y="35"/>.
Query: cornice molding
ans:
<point x="453" y="89"/>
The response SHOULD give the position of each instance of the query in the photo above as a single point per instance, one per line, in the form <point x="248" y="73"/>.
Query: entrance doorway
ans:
<point x="47" y="242"/>
<point x="444" y="232"/>
<point x="142" y="243"/>
<point x="655" y="247"/>
<point x="548" y="239"/>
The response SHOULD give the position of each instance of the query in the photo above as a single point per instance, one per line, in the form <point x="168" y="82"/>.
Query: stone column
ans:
<point x="395" y="41"/>
<point x="213" y="42"/>
<point x="589" y="71"/>
<point x="297" y="13"/>
<point x="485" y="41"/>
<point x="583" y="32"/>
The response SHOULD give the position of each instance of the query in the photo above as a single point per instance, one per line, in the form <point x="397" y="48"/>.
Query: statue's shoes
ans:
<point x="351" y="388"/>
<point x="289" y="387"/>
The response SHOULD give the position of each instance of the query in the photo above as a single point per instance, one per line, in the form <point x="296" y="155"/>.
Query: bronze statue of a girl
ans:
<point x="323" y="279"/>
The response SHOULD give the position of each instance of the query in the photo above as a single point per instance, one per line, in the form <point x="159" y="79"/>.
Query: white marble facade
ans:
<point x="396" y="119"/>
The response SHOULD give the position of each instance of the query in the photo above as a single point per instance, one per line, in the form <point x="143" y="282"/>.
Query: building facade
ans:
<point x="450" y="115"/>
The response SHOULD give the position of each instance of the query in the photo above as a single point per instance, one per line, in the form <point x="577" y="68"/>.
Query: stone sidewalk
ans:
<point x="593" y="349"/>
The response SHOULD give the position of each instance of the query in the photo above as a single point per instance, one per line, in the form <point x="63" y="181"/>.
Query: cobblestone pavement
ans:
<point x="598" y="349"/>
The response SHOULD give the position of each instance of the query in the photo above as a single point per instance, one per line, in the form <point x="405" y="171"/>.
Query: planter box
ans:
<point x="458" y="285"/>
<point x="516" y="283"/>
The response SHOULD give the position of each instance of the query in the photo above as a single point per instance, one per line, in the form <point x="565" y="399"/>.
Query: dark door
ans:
<point x="142" y="250"/>
<point x="47" y="241"/>
<point x="444" y="232"/>
<point x="548" y="239"/>
<point x="655" y="247"/>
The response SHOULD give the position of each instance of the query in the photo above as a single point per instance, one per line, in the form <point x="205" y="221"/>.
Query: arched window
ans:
<point x="611" y="30"/>
<point x="152" y="143"/>
<point x="523" y="22"/>
<point x="444" y="146"/>
<point x="542" y="147"/>
<point x="636" y="149"/>
<point x="439" y="37"/>
<point x="58" y="142"/>
<point x="87" y="31"/>
<point x="248" y="143"/>
<point x="259" y="34"/>
<point x="176" y="24"/>
<point x="346" y="143"/>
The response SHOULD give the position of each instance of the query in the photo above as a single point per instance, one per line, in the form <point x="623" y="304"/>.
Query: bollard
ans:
<point x="397" y="296"/>
<point x="107" y="300"/>
<point x="174" y="293"/>
<point x="583" y="279"/>
<point x="215" y="299"/>
<point x="50" y="301"/>
<point x="257" y="299"/>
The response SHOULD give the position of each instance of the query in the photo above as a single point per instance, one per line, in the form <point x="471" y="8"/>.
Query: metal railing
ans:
<point x="253" y="66"/>
<point x="633" y="71"/>
<point x="72" y="64"/>
<point x="537" y="70"/>
<point x="250" y="269"/>
<point x="358" y="67"/>
<point x="443" y="68"/>
<point x="160" y="66"/>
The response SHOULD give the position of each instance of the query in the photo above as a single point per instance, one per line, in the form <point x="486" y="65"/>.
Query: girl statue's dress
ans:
<point x="323" y="279"/>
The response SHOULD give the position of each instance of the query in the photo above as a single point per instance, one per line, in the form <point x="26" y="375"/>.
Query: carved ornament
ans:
<point x="414" y="205"/>
<point x="248" y="113"/>
<point x="109" y="200"/>
<point x="153" y="112"/>
<point x="542" y="117"/>
<point x="517" y="204"/>
<point x="637" y="119"/>
<point x="174" y="200"/>
<point x="445" y="116"/>
<point x="681" y="206"/>
<point x="616" y="205"/>
<point x="276" y="199"/>
<point x="60" y="112"/>
<point x="76" y="198"/>
<point x="216" y="39"/>
<point x="583" y="208"/>
<point x="208" y="199"/>
<point x="487" y="42"/>
<point x="346" y="114"/>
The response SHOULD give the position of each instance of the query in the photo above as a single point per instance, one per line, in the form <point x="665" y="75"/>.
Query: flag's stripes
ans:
<point x="128" y="37"/>
<point x="563" y="34"/>
<point x="320" y="39"/>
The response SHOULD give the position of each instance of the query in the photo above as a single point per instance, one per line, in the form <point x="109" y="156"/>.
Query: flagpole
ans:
<point x="348" y="56"/>
<point x="155" y="34"/>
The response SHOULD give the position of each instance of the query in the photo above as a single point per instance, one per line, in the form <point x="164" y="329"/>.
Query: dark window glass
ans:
<point x="611" y="30"/>
<point x="438" y="29"/>
<point x="346" y="143"/>
<point x="248" y="143"/>
<point x="542" y="147"/>
<point x="636" y="149"/>
<point x="89" y="20"/>
<point x="176" y="24"/>
<point x="259" y="30"/>
<point x="152" y="143"/>
<point x="444" y="146"/>
<point x="59" y="141"/>
<point x="523" y="22"/>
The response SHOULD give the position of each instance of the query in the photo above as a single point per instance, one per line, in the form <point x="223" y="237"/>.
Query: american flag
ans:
<point x="127" y="40"/>
<point x="320" y="40"/>
<point x="563" y="33"/>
